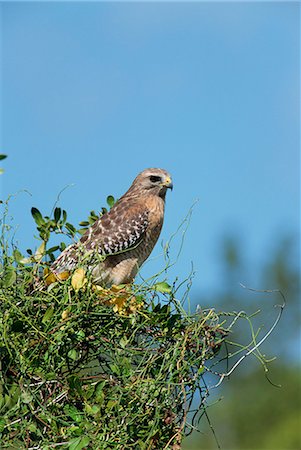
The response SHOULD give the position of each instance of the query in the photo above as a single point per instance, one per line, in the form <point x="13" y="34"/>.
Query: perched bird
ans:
<point x="116" y="245"/>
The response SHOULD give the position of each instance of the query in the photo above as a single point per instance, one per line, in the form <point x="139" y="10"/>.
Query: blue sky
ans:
<point x="93" y="93"/>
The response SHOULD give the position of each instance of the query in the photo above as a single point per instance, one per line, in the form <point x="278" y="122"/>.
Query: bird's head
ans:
<point x="153" y="181"/>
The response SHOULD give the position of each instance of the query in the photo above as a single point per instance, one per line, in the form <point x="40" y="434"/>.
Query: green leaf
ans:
<point x="1" y="171"/>
<point x="92" y="410"/>
<point x="123" y="342"/>
<point x="162" y="287"/>
<point x="115" y="368"/>
<point x="2" y="425"/>
<point x="37" y="216"/>
<point x="110" y="201"/>
<point x="80" y="335"/>
<point x="75" y="384"/>
<point x="72" y="412"/>
<point x="26" y="397"/>
<point x="48" y="314"/>
<point x="99" y="393"/>
<point x="64" y="216"/>
<point x="93" y="215"/>
<point x="79" y="443"/>
<point x="110" y="405"/>
<point x="17" y="255"/>
<point x="70" y="228"/>
<point x="9" y="276"/>
<point x="84" y="223"/>
<point x="2" y="156"/>
<point x="32" y="428"/>
<point x="40" y="252"/>
<point x="72" y="354"/>
<point x="52" y="249"/>
<point x="57" y="214"/>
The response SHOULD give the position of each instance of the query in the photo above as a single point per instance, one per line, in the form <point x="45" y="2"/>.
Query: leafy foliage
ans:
<point x="88" y="367"/>
<point x="58" y="224"/>
<point x="74" y="371"/>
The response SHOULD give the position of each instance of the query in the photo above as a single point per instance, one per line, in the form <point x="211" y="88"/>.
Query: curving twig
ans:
<point x="258" y="344"/>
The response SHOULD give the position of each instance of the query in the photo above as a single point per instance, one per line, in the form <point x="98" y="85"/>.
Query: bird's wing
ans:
<point x="67" y="260"/>
<point x="117" y="231"/>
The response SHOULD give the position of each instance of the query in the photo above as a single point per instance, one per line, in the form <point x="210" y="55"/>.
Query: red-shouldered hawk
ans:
<point x="116" y="245"/>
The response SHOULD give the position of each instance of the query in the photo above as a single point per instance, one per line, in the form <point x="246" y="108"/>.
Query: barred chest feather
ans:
<point x="122" y="268"/>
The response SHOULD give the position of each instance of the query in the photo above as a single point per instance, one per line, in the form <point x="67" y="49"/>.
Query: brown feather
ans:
<point x="125" y="236"/>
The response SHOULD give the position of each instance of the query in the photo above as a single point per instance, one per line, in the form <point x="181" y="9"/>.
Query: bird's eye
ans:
<point x="155" y="179"/>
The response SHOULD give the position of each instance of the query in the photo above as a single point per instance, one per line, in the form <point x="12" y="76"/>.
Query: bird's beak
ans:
<point x="168" y="183"/>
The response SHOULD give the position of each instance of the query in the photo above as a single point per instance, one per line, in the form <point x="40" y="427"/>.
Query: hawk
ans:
<point x="117" y="244"/>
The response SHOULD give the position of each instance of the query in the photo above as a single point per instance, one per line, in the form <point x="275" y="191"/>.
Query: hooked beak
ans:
<point x="168" y="183"/>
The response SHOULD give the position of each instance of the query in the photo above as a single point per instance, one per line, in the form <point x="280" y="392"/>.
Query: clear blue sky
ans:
<point x="92" y="93"/>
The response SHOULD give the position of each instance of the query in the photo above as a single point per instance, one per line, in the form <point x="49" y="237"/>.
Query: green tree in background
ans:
<point x="254" y="413"/>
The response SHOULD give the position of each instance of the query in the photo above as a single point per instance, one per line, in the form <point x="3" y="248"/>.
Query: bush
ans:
<point x="86" y="367"/>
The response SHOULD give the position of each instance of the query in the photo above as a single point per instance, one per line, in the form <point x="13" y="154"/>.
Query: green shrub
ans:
<point x="90" y="368"/>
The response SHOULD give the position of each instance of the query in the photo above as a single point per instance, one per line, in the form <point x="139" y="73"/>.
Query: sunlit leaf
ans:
<point x="65" y="314"/>
<point x="162" y="287"/>
<point x="79" y="443"/>
<point x="70" y="228"/>
<point x="64" y="216"/>
<point x="84" y="223"/>
<point x="92" y="410"/>
<point x="2" y="424"/>
<point x="63" y="275"/>
<point x="26" y="397"/>
<point x="72" y="354"/>
<point x="49" y="277"/>
<point x="78" y="279"/>
<point x="40" y="252"/>
<point x="111" y="404"/>
<point x="72" y="412"/>
<point x="17" y="255"/>
<point x="26" y="260"/>
<point x="37" y="216"/>
<point x="9" y="277"/>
